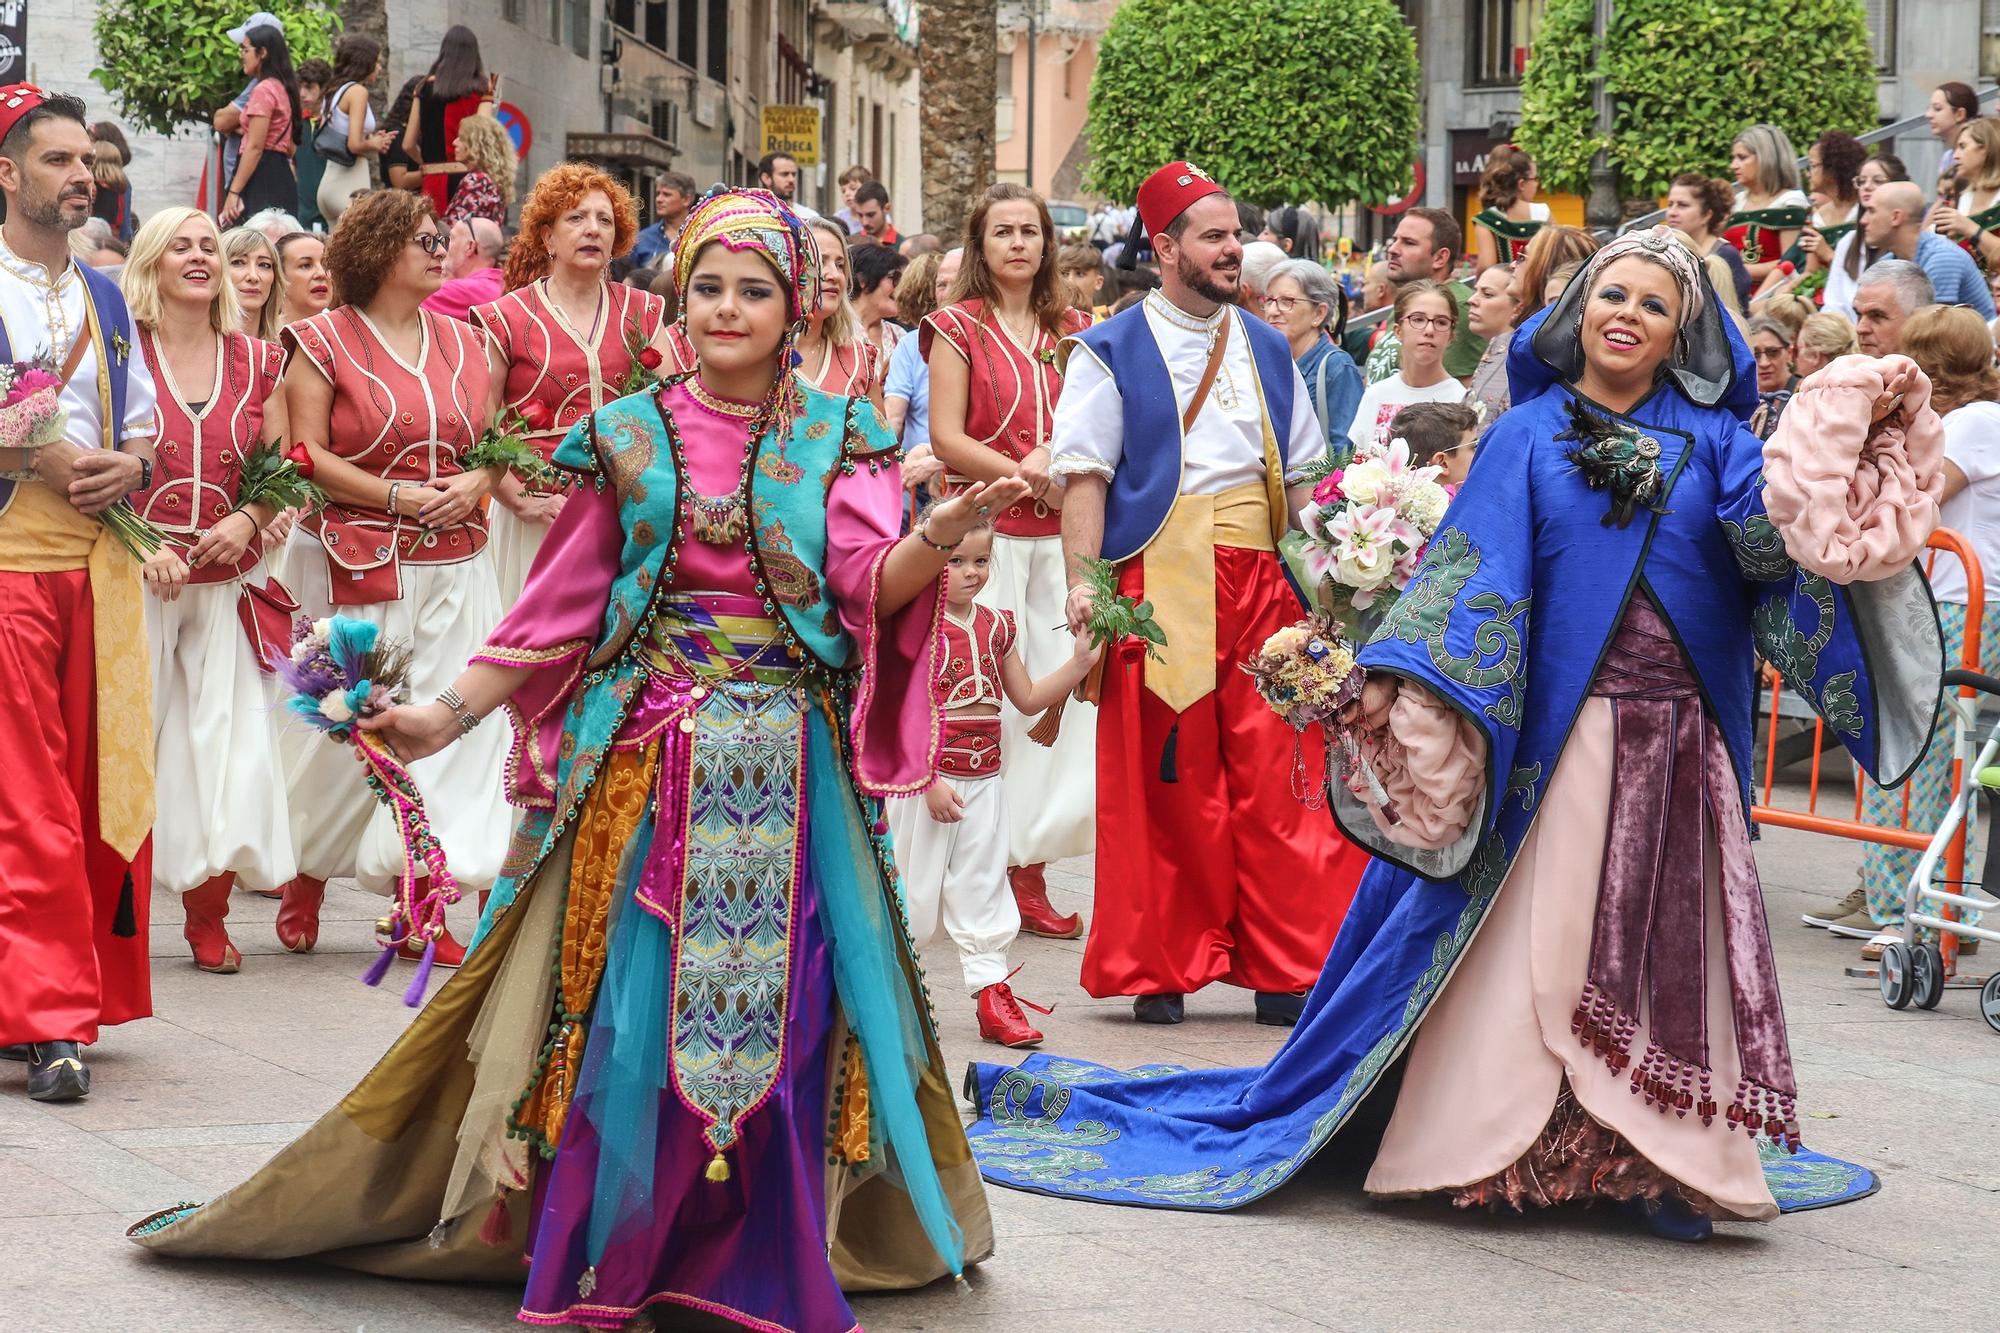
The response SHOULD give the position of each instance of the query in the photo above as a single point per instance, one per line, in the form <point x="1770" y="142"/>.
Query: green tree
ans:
<point x="1685" y="77"/>
<point x="1283" y="101"/>
<point x="168" y="63"/>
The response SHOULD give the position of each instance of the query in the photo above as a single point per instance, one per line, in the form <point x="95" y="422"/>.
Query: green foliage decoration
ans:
<point x="1685" y="76"/>
<point x="1282" y="101"/>
<point x="169" y="63"/>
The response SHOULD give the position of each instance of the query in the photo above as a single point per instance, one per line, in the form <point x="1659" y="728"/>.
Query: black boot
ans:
<point x="19" y="1053"/>
<point x="1278" y="1009"/>
<point x="1162" y="1009"/>
<point x="56" y="1072"/>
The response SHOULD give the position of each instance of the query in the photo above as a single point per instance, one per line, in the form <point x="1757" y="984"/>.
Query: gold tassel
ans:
<point x="718" y="1168"/>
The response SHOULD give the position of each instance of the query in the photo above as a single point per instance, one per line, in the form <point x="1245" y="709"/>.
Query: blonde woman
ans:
<point x="223" y="814"/>
<point x="253" y="273"/>
<point x="1820" y="340"/>
<point x="1971" y="220"/>
<point x="486" y="190"/>
<point x="1771" y="209"/>
<point x="833" y="356"/>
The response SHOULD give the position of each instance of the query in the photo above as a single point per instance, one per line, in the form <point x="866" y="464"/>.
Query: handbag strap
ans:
<point x="1208" y="375"/>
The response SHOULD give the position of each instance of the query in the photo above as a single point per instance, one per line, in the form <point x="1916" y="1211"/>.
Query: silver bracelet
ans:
<point x="453" y="700"/>
<point x="394" y="487"/>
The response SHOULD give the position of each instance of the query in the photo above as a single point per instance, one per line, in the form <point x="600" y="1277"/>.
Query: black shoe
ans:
<point x="1277" y="1009"/>
<point x="56" y="1072"/>
<point x="19" y="1053"/>
<point x="1162" y="1009"/>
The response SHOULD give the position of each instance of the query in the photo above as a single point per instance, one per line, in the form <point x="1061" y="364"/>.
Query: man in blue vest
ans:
<point x="1181" y="438"/>
<point x="76" y="740"/>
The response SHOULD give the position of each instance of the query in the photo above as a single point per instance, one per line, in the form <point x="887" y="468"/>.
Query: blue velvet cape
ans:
<point x="1507" y="619"/>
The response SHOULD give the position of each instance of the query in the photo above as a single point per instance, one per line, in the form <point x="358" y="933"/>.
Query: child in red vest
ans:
<point x="951" y="842"/>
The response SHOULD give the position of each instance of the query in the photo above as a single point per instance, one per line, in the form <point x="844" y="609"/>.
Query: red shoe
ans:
<point x="1001" y="1019"/>
<point x="1038" y="914"/>
<point x="298" y="914"/>
<point x="450" y="953"/>
<point x="206" y="906"/>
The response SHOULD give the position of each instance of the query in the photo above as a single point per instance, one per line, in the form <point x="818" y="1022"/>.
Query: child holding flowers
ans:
<point x="951" y="841"/>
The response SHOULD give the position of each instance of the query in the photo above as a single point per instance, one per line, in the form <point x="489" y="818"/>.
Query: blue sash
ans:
<point x="104" y="309"/>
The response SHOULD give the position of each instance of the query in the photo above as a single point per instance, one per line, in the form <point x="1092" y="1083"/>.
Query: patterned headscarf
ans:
<point x="1658" y="245"/>
<point x="753" y="220"/>
<point x="759" y="221"/>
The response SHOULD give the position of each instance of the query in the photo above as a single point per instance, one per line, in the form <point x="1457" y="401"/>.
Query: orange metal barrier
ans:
<point x="1899" y="834"/>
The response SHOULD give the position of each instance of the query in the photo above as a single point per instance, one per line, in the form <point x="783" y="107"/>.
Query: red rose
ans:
<point x="536" y="416"/>
<point x="650" y="358"/>
<point x="301" y="457"/>
<point x="1131" y="650"/>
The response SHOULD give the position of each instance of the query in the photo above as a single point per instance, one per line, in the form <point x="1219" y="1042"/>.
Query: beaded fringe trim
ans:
<point x="1669" y="1083"/>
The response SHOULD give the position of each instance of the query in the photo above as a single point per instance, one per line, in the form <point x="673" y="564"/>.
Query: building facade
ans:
<point x="642" y="86"/>
<point x="1047" y="54"/>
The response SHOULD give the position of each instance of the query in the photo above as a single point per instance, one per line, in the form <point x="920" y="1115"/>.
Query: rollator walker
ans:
<point x="1917" y="971"/>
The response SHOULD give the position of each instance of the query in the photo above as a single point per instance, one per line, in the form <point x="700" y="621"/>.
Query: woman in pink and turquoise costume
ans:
<point x="1562" y="941"/>
<point x="689" y="1061"/>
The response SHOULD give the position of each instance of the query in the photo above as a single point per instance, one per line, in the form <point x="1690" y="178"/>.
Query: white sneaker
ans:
<point x="1872" y="951"/>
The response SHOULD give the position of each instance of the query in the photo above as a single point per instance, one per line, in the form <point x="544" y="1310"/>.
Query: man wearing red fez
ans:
<point x="76" y="741"/>
<point x="1181" y="438"/>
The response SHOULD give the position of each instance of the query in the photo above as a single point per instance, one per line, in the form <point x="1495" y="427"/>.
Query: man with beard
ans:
<point x="76" y="741"/>
<point x="1181" y="440"/>
<point x="779" y="173"/>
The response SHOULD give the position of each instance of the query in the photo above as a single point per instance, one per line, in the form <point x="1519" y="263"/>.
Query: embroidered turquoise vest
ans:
<point x="629" y="445"/>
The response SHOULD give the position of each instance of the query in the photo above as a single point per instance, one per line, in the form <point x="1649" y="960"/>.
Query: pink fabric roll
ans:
<point x="1855" y="499"/>
<point x="1430" y="761"/>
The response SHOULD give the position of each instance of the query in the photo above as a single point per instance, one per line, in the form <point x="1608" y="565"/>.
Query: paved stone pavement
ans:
<point x="190" y="1102"/>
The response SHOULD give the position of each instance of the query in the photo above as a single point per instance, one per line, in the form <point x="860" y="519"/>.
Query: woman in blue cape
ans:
<point x="1563" y="932"/>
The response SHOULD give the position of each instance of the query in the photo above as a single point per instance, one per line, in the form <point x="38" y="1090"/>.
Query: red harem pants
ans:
<point x="1222" y="875"/>
<point x="62" y="971"/>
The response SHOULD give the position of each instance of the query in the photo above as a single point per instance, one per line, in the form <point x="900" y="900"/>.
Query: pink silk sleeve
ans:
<point x="1856" y="500"/>
<point x="551" y="630"/>
<point x="896" y="721"/>
<point x="1430" y="762"/>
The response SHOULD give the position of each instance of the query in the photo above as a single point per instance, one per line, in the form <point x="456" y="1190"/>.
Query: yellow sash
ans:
<point x="41" y="534"/>
<point x="1180" y="570"/>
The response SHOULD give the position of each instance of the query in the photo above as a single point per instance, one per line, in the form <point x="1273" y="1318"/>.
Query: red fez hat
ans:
<point x="1170" y="192"/>
<point x="16" y="101"/>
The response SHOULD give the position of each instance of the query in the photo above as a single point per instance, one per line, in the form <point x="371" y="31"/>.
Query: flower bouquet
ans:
<point x="31" y="410"/>
<point x="1365" y="530"/>
<point x="340" y="670"/>
<point x="1364" y="533"/>
<point x="1117" y="623"/>
<point x="505" y="444"/>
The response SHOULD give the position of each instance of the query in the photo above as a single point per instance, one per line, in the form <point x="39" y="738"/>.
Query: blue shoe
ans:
<point x="1670" y="1219"/>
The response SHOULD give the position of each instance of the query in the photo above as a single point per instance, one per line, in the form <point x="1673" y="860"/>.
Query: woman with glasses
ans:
<point x="388" y="398"/>
<point x="1302" y="301"/>
<point x="1510" y="214"/>
<point x="1425" y="317"/>
<point x="1771" y="345"/>
<point x="995" y="378"/>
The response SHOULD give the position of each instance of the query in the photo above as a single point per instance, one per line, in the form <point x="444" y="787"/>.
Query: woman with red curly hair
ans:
<point x="388" y="398"/>
<point x="562" y="342"/>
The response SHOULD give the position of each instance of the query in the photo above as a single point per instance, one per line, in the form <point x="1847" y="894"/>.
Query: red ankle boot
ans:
<point x="298" y="914"/>
<point x="450" y="953"/>
<point x="1001" y="1019"/>
<point x="1038" y="914"/>
<point x="206" y="906"/>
